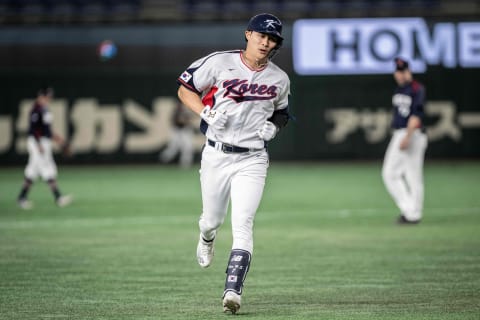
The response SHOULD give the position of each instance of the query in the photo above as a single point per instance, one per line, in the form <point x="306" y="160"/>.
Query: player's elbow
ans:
<point x="184" y="94"/>
<point x="180" y="93"/>
<point x="280" y="118"/>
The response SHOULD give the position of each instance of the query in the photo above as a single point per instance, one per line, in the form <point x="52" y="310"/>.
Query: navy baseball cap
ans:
<point x="401" y="64"/>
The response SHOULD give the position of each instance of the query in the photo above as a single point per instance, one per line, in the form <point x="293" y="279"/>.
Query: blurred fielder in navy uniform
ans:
<point x="402" y="170"/>
<point x="39" y="146"/>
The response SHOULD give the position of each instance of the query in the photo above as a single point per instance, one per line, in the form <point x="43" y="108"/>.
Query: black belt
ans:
<point x="228" y="148"/>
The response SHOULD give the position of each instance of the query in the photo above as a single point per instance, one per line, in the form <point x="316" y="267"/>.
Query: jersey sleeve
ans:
<point x="200" y="75"/>
<point x="281" y="114"/>
<point x="283" y="96"/>
<point x="418" y="100"/>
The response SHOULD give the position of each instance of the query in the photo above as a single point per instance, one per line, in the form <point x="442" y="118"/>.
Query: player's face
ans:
<point x="402" y="77"/>
<point x="44" y="100"/>
<point x="259" y="44"/>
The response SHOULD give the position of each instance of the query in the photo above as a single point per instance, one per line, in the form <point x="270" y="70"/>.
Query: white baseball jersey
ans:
<point x="248" y="97"/>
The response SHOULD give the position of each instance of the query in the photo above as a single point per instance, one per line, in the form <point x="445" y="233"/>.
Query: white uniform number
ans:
<point x="403" y="103"/>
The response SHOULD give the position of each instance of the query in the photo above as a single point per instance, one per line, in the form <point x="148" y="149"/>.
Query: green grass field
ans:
<point x="326" y="247"/>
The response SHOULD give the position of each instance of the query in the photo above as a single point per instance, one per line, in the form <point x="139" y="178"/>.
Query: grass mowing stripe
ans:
<point x="160" y="219"/>
<point x="95" y="222"/>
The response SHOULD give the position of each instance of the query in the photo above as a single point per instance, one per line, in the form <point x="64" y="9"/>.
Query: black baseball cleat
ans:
<point x="404" y="221"/>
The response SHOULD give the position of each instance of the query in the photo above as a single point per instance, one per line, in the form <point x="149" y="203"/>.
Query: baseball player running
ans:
<point x="242" y="98"/>
<point x="39" y="145"/>
<point x="402" y="170"/>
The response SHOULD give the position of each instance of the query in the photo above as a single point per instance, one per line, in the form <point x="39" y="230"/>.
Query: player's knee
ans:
<point x="209" y="224"/>
<point x="388" y="174"/>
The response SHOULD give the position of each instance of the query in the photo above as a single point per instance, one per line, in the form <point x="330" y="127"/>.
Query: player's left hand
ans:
<point x="268" y="131"/>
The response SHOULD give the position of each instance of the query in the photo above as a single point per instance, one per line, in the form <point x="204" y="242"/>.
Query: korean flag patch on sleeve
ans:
<point x="186" y="76"/>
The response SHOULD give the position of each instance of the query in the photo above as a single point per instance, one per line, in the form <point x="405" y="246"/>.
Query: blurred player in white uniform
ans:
<point x="40" y="155"/>
<point x="242" y="98"/>
<point x="402" y="170"/>
<point x="181" y="138"/>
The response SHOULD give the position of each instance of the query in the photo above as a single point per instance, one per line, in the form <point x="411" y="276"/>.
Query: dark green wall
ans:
<point x="149" y="62"/>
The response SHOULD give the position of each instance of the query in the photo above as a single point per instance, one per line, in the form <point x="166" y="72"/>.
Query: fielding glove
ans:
<point x="268" y="131"/>
<point x="214" y="118"/>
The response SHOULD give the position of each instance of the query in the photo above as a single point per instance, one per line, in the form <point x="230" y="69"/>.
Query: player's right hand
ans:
<point x="214" y="118"/>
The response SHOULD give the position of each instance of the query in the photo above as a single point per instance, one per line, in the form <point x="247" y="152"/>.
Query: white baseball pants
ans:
<point x="239" y="177"/>
<point x="181" y="141"/>
<point x="40" y="164"/>
<point x="402" y="173"/>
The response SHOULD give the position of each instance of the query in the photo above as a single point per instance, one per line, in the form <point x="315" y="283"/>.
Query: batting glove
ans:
<point x="214" y="118"/>
<point x="268" y="131"/>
